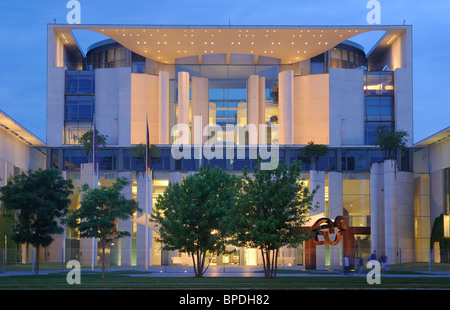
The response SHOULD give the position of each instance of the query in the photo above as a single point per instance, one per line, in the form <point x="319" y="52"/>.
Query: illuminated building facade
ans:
<point x="301" y="83"/>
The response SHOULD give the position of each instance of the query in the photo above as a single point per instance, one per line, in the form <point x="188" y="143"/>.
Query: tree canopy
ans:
<point x="190" y="214"/>
<point x="99" y="210"/>
<point x="40" y="199"/>
<point x="139" y="152"/>
<point x="87" y="141"/>
<point x="272" y="206"/>
<point x="315" y="151"/>
<point x="390" y="141"/>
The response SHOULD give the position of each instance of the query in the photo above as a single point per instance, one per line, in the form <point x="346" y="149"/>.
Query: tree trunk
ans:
<point x="269" y="263"/>
<point x="199" y="263"/>
<point x="103" y="258"/>
<point x="36" y="262"/>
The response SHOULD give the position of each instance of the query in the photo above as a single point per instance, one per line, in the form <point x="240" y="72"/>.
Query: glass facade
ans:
<point x="228" y="91"/>
<point x="348" y="55"/>
<point x="79" y="105"/>
<point x="120" y="159"/>
<point x="378" y="103"/>
<point x="446" y="190"/>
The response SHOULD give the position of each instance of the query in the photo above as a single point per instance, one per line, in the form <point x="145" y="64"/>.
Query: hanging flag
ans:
<point x="147" y="151"/>
<point x="95" y="150"/>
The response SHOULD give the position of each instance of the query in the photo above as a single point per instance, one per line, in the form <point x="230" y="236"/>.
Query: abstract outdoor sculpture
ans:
<point x="324" y="227"/>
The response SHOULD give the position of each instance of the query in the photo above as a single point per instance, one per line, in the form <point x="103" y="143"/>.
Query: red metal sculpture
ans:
<point x="325" y="226"/>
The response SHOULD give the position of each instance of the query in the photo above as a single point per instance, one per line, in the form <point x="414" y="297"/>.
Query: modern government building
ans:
<point x="247" y="88"/>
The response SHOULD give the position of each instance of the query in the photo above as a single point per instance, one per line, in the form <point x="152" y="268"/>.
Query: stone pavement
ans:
<point x="229" y="271"/>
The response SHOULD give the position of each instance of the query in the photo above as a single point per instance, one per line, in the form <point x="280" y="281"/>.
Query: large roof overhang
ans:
<point x="290" y="44"/>
<point x="434" y="139"/>
<point x="18" y="131"/>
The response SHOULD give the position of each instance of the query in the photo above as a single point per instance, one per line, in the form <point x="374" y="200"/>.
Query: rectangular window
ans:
<point x="79" y="108"/>
<point x="446" y="190"/>
<point x="354" y="160"/>
<point x="80" y="82"/>
<point x="74" y="130"/>
<point x="379" y="108"/>
<point x="370" y="128"/>
<point x="379" y="83"/>
<point x="108" y="159"/>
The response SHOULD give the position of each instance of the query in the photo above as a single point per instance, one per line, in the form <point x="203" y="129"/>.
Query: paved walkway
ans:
<point x="218" y="271"/>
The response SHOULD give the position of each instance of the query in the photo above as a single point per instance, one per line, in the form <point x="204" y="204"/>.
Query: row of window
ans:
<point x="122" y="160"/>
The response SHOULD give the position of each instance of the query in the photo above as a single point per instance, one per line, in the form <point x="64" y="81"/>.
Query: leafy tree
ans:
<point x="40" y="199"/>
<point x="98" y="213"/>
<point x="315" y="151"/>
<point x="87" y="141"/>
<point x="138" y="152"/>
<point x="190" y="214"/>
<point x="272" y="206"/>
<point x="390" y="141"/>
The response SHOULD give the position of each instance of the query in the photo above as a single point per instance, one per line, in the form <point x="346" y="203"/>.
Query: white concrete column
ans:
<point x="164" y="116"/>
<point x="405" y="203"/>
<point x="200" y="109"/>
<point x="317" y="178"/>
<point x="55" y="106"/>
<point x="286" y="107"/>
<point x="86" y="244"/>
<point x="125" y="225"/>
<point x="335" y="194"/>
<point x="253" y="109"/>
<point x="262" y="110"/>
<point x="183" y="105"/>
<point x="142" y="193"/>
<point x="262" y="100"/>
<point x="391" y="211"/>
<point x="376" y="178"/>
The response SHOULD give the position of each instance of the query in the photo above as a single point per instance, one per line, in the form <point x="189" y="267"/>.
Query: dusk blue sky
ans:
<point x="23" y="38"/>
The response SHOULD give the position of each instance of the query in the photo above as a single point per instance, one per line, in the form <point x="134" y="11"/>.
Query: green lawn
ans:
<point x="119" y="281"/>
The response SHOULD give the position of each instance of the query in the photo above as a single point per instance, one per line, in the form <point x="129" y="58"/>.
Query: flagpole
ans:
<point x="146" y="200"/>
<point x="94" y="182"/>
